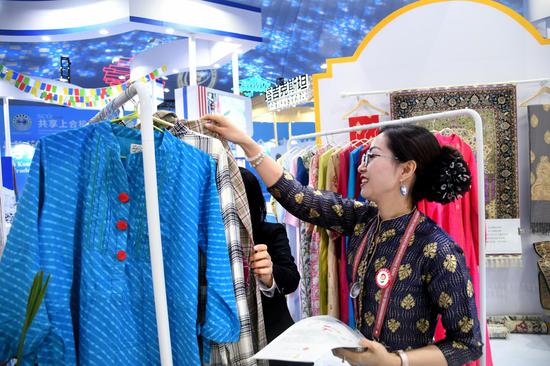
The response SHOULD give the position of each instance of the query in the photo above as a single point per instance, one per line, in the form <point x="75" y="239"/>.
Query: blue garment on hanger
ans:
<point x="302" y="174"/>
<point x="82" y="219"/>
<point x="353" y="164"/>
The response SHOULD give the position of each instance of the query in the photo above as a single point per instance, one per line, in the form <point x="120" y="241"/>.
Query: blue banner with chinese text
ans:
<point x="31" y="121"/>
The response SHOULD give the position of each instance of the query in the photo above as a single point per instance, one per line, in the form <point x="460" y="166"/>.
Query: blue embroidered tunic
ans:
<point x="432" y="280"/>
<point x="82" y="219"/>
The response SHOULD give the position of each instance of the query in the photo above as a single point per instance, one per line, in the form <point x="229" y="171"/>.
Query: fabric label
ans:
<point x="135" y="148"/>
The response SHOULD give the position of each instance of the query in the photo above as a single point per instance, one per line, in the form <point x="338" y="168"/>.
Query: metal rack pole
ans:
<point x="151" y="201"/>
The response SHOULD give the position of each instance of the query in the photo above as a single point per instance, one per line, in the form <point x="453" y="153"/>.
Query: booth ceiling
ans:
<point x="298" y="36"/>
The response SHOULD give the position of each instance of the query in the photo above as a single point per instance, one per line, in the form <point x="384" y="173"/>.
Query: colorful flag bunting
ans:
<point x="80" y="97"/>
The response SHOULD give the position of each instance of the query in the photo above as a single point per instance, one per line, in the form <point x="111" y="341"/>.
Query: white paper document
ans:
<point x="503" y="236"/>
<point x="310" y="339"/>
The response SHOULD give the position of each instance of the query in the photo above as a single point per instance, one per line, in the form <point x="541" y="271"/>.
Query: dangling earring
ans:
<point x="403" y="189"/>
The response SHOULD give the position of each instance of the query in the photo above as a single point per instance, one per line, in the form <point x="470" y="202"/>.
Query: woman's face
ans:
<point x="379" y="171"/>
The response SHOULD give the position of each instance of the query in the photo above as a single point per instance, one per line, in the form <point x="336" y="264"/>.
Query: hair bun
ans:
<point x="451" y="177"/>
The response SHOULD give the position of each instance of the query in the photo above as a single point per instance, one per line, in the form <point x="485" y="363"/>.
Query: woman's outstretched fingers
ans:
<point x="225" y="128"/>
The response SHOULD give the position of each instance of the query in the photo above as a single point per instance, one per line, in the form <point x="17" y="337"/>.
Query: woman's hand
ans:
<point x="269" y="170"/>
<point x="262" y="264"/>
<point x="375" y="355"/>
<point x="226" y="129"/>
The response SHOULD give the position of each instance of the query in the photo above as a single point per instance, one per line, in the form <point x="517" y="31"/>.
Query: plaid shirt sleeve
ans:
<point x="242" y="351"/>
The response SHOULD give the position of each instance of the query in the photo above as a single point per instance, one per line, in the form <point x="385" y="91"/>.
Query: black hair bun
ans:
<point x="450" y="177"/>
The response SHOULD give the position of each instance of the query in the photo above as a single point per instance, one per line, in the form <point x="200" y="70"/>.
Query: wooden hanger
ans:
<point x="543" y="90"/>
<point x="364" y="102"/>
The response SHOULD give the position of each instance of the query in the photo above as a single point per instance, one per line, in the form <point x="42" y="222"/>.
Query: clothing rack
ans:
<point x="480" y="162"/>
<point x="151" y="201"/>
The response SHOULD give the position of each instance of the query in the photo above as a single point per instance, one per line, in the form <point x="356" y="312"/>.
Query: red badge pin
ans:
<point x="383" y="277"/>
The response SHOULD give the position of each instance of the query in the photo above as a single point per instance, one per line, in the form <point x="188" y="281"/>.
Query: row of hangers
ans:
<point x="363" y="102"/>
<point x="446" y="131"/>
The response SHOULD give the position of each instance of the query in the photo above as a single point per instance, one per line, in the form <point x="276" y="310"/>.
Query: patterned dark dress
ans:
<point x="432" y="280"/>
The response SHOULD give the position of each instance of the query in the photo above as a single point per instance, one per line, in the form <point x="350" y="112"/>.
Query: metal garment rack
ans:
<point x="480" y="162"/>
<point x="141" y="89"/>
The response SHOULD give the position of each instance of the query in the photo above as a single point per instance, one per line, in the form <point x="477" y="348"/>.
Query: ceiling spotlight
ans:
<point x="170" y="30"/>
<point x="324" y="66"/>
<point x="103" y="32"/>
<point x="227" y="39"/>
<point x="46" y="38"/>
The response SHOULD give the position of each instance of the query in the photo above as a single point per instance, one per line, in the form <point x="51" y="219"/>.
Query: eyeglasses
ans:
<point x="369" y="156"/>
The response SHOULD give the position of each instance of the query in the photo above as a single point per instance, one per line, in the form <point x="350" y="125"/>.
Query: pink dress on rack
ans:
<point x="460" y="220"/>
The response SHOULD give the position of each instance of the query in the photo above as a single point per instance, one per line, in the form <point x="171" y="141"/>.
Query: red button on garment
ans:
<point x="121" y="255"/>
<point x="123" y="197"/>
<point x="121" y="225"/>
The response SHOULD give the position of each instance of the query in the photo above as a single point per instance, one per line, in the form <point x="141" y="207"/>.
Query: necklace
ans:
<point x="385" y="277"/>
<point x="355" y="289"/>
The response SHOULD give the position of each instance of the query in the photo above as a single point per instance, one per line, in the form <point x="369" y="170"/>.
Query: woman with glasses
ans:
<point x="404" y="270"/>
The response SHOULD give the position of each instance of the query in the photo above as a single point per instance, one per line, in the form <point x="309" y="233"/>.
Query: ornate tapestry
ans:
<point x="528" y="324"/>
<point x="497" y="107"/>
<point x="539" y="144"/>
<point x="542" y="248"/>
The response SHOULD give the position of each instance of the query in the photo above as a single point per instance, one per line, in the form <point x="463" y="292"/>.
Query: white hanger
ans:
<point x="544" y="89"/>
<point x="364" y="102"/>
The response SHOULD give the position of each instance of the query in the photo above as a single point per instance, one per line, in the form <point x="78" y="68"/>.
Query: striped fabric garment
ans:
<point x="82" y="219"/>
<point x="215" y="149"/>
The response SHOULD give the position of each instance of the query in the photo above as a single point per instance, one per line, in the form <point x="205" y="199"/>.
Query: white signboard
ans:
<point x="503" y="236"/>
<point x="292" y="92"/>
